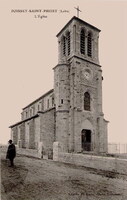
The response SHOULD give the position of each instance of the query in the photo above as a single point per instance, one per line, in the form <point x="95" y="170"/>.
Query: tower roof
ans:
<point x="80" y="20"/>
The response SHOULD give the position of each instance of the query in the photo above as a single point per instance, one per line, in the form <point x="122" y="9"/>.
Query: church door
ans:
<point x="86" y="140"/>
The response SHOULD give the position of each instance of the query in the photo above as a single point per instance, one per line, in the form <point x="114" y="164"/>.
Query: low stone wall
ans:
<point x="97" y="162"/>
<point x="23" y="151"/>
<point x="28" y="152"/>
<point x="32" y="153"/>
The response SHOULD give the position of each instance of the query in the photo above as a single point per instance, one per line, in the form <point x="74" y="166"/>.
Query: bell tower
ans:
<point x="78" y="38"/>
<point x="80" y="124"/>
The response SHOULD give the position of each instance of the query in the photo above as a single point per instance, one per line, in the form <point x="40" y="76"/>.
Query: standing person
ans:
<point x="11" y="153"/>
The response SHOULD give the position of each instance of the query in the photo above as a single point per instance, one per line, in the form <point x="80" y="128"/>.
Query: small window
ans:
<point x="33" y="108"/>
<point x="38" y="107"/>
<point x="30" y="112"/>
<point x="61" y="101"/>
<point x="48" y="103"/>
<point x="52" y="101"/>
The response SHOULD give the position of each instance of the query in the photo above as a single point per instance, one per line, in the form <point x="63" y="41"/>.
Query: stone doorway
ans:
<point x="86" y="140"/>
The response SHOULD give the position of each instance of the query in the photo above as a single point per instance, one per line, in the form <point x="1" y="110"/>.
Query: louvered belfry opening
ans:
<point x="89" y="45"/>
<point x="68" y="43"/>
<point x="64" y="45"/>
<point x="82" y="42"/>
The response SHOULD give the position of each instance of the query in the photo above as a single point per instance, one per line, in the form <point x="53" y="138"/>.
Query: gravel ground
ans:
<point x="35" y="179"/>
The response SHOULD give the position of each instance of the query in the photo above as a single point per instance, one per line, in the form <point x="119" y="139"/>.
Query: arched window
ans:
<point x="68" y="43"/>
<point x="82" y="41"/>
<point x="87" y="101"/>
<point x="64" y="45"/>
<point x="89" y="45"/>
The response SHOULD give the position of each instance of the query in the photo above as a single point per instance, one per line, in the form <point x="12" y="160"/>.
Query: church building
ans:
<point x="70" y="113"/>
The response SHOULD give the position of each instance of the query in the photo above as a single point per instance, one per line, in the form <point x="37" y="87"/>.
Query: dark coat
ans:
<point x="11" y="152"/>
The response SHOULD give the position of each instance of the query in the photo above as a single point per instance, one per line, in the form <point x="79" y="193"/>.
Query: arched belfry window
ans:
<point x="89" y="44"/>
<point x="68" y="43"/>
<point x="86" y="101"/>
<point x="82" y="41"/>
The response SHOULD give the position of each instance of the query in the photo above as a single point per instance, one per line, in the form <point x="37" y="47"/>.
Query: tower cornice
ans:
<point x="81" y="21"/>
<point x="84" y="59"/>
<point x="63" y="64"/>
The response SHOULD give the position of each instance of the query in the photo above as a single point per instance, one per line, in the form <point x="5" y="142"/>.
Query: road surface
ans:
<point x="35" y="179"/>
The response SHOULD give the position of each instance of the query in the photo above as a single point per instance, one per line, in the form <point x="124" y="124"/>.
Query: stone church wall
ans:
<point x="41" y="104"/>
<point x="14" y="135"/>
<point x="22" y="134"/>
<point x="47" y="130"/>
<point x="62" y="129"/>
<point x="27" y="135"/>
<point x="61" y="87"/>
<point x="37" y="132"/>
<point x="32" y="134"/>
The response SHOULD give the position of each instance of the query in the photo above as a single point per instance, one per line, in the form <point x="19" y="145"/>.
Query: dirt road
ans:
<point x="34" y="179"/>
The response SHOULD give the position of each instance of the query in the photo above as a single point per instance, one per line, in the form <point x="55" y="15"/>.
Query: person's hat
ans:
<point x="10" y="141"/>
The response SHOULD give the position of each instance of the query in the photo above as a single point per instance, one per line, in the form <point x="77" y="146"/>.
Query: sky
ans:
<point x="29" y="53"/>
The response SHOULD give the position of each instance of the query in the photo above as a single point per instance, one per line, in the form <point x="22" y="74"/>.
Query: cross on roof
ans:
<point x="78" y="11"/>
